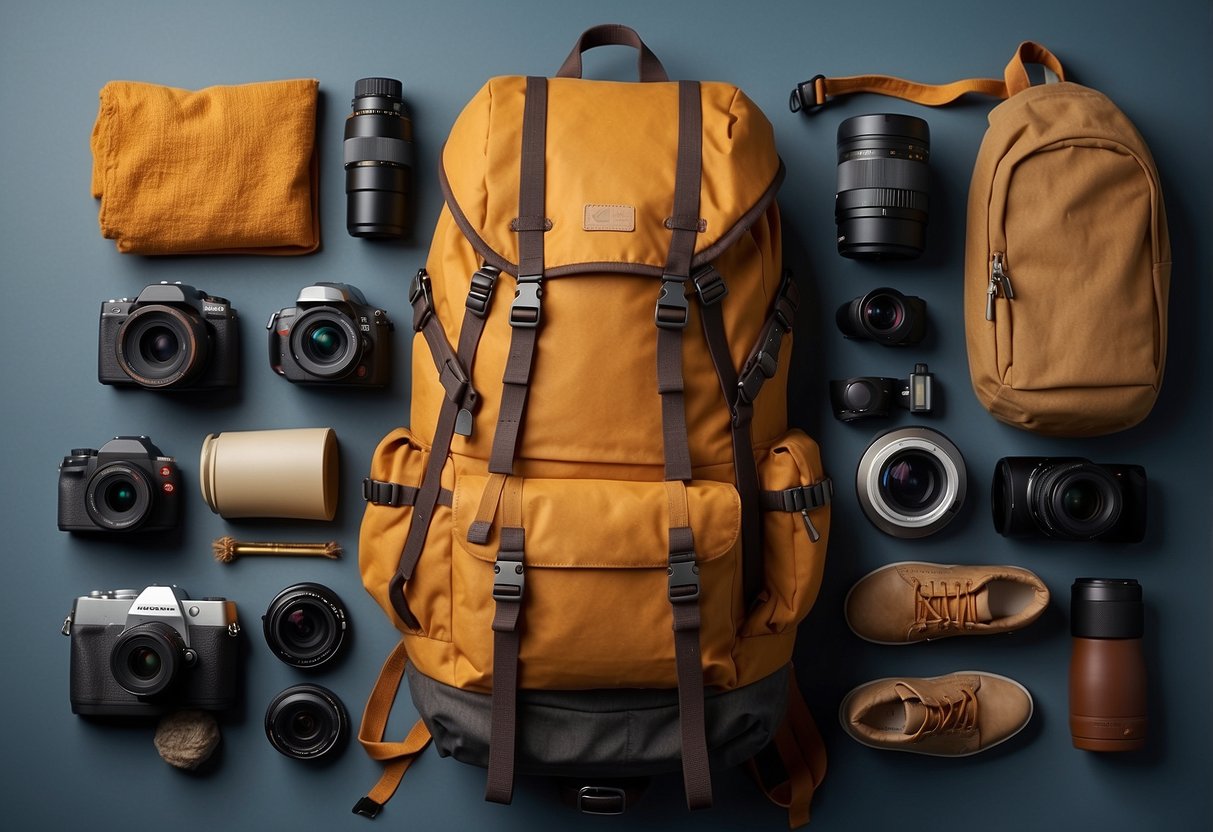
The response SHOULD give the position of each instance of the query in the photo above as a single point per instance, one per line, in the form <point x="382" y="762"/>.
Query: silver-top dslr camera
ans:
<point x="140" y="653"/>
<point x="331" y="336"/>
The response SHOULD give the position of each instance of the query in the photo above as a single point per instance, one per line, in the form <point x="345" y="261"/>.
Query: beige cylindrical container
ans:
<point x="271" y="473"/>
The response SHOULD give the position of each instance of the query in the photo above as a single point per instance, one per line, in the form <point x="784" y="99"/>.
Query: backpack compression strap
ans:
<point x="525" y="315"/>
<point x="671" y="317"/>
<point x="459" y="399"/>
<point x="811" y="95"/>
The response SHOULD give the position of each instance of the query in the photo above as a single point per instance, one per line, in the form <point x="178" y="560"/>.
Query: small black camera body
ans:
<point x="863" y="397"/>
<point x="331" y="336"/>
<point x="125" y="486"/>
<point x="171" y="337"/>
<point x="145" y="653"/>
<point x="886" y="316"/>
<point x="1069" y="498"/>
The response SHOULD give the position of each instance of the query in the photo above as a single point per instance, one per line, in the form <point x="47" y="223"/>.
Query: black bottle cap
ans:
<point x="379" y="88"/>
<point x="1106" y="608"/>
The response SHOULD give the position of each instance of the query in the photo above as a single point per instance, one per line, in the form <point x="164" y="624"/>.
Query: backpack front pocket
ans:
<point x="596" y="609"/>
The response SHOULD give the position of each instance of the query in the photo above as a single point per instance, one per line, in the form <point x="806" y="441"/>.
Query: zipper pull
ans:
<point x="999" y="280"/>
<point x="814" y="535"/>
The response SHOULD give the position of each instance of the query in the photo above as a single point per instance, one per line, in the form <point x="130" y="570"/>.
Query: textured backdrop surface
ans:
<point x="61" y="772"/>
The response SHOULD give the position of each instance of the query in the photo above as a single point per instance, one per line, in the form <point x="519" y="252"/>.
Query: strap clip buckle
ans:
<point x="684" y="578"/>
<point x="368" y="808"/>
<point x="804" y="97"/>
<point x="710" y="285"/>
<point x="525" y="311"/>
<point x="509" y="580"/>
<point x="420" y="290"/>
<point x="602" y="800"/>
<point x="382" y="493"/>
<point x="809" y="497"/>
<point x="481" y="290"/>
<point x="672" y="308"/>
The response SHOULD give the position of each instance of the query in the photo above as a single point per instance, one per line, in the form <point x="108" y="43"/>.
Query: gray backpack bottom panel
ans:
<point x="601" y="733"/>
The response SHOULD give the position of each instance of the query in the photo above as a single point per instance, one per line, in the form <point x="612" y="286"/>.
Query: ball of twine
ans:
<point x="186" y="739"/>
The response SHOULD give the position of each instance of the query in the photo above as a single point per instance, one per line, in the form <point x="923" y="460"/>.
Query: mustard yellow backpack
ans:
<point x="598" y="534"/>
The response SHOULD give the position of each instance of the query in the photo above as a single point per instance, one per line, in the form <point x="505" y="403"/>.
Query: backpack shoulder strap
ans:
<point x="396" y="756"/>
<point x="811" y="95"/>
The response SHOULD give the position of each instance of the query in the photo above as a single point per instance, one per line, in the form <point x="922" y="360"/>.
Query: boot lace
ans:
<point x="949" y="714"/>
<point x="943" y="606"/>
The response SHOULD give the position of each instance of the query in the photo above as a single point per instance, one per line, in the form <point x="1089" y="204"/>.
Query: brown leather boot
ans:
<point x="907" y="602"/>
<point x="944" y="716"/>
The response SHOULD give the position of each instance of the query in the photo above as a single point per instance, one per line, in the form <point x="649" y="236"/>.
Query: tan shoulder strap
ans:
<point x="803" y="755"/>
<point x="816" y="92"/>
<point x="396" y="756"/>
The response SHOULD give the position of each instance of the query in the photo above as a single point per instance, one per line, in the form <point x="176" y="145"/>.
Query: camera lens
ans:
<point x="305" y="625"/>
<point x="144" y="663"/>
<point x="306" y="722"/>
<point x="161" y="346"/>
<point x="911" y="482"/>
<point x="378" y="160"/>
<point x="117" y="497"/>
<point x="1075" y="500"/>
<point x="881" y="202"/>
<point x="884" y="313"/>
<point x="326" y="343"/>
<point x="145" y="659"/>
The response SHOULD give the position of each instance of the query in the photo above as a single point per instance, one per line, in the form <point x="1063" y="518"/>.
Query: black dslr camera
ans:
<point x="138" y="653"/>
<point x="128" y="485"/>
<point x="1069" y="498"/>
<point x="886" y="316"/>
<point x="171" y="337"/>
<point x="331" y="336"/>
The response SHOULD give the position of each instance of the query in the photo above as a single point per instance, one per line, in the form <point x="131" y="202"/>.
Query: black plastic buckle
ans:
<point x="804" y="97"/>
<point x="525" y="310"/>
<point x="754" y="376"/>
<point x="509" y="580"/>
<point x="684" y="578"/>
<point x="602" y="800"/>
<point x="368" y="808"/>
<point x="420" y="289"/>
<point x="672" y="308"/>
<point x="710" y="285"/>
<point x="481" y="290"/>
<point x="809" y="497"/>
<point x="383" y="493"/>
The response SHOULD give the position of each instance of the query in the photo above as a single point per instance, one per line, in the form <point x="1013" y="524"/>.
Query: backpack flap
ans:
<point x="609" y="176"/>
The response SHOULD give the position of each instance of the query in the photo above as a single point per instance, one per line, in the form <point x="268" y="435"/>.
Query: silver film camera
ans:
<point x="139" y="653"/>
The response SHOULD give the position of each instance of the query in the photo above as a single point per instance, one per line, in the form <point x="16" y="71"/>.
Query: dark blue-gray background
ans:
<point x="61" y="772"/>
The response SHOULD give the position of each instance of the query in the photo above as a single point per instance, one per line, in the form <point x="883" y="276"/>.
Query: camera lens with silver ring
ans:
<point x="911" y="482"/>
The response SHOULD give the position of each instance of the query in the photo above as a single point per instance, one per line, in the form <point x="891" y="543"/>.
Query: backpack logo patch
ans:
<point x="600" y="217"/>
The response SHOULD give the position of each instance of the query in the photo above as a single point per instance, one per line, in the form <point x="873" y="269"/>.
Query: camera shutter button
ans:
<point x="190" y="656"/>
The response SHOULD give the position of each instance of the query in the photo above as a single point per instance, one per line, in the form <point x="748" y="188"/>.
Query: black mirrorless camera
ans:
<point x="171" y="337"/>
<point x="331" y="336"/>
<point x="138" y="653"/>
<point x="128" y="485"/>
<point x="1069" y="498"/>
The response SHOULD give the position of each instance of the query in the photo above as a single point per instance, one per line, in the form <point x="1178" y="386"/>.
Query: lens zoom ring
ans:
<point x="378" y="149"/>
<point x="883" y="198"/>
<point x="882" y="173"/>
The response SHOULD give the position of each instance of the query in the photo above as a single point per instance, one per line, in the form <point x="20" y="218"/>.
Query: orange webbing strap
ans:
<point x="803" y="754"/>
<point x="814" y="93"/>
<point x="397" y="756"/>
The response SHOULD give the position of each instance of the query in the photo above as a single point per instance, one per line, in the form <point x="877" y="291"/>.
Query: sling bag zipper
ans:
<point x="999" y="279"/>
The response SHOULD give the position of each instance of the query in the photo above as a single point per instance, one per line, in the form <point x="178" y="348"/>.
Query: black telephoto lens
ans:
<point x="378" y="160"/>
<point x="881" y="204"/>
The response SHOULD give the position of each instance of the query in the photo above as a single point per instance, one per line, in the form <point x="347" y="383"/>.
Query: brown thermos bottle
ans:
<point x="1107" y="669"/>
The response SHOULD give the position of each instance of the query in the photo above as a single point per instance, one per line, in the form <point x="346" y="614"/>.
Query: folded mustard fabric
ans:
<point x="223" y="170"/>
